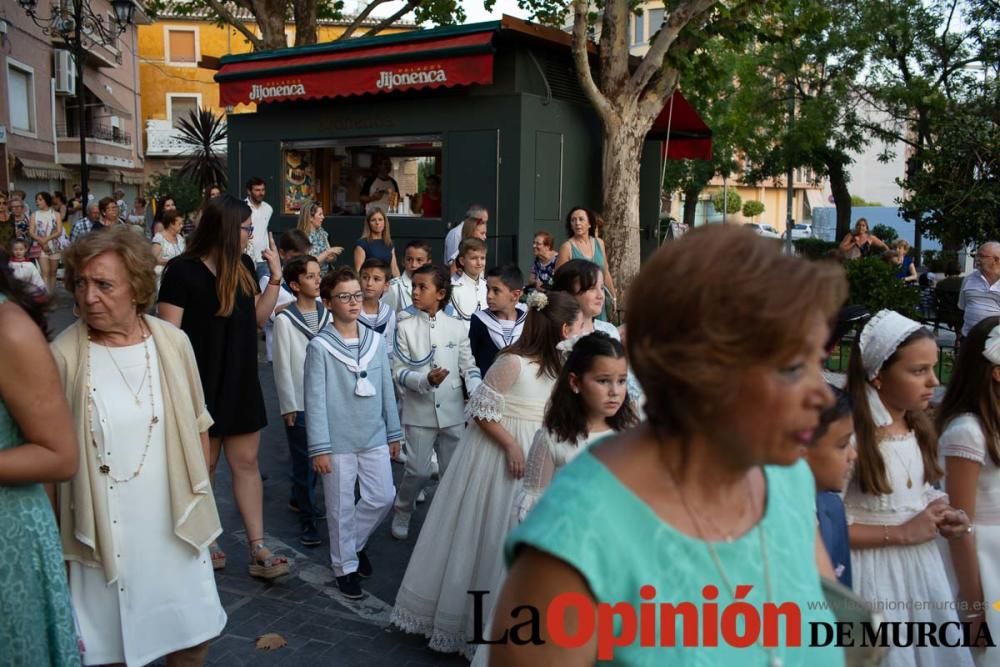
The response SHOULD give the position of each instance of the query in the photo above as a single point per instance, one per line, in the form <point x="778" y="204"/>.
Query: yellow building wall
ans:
<point x="158" y="78"/>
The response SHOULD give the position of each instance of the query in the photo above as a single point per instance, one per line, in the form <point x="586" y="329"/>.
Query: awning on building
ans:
<point x="685" y="134"/>
<point x="40" y="169"/>
<point x="358" y="67"/>
<point x="109" y="100"/>
<point x="128" y="177"/>
<point x="816" y="199"/>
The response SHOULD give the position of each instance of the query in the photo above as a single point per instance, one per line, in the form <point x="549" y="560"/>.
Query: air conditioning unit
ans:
<point x="65" y="70"/>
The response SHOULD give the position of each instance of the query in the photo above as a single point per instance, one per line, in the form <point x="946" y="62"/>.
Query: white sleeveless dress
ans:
<point x="460" y="547"/>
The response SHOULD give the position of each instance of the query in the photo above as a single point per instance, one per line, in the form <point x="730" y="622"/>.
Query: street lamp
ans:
<point x="80" y="28"/>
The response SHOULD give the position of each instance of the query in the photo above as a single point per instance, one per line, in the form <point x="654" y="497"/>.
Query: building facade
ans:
<point x="41" y="116"/>
<point x="173" y="54"/>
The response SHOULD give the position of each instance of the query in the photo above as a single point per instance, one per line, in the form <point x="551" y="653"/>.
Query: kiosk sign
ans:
<point x="259" y="93"/>
<point x="387" y="80"/>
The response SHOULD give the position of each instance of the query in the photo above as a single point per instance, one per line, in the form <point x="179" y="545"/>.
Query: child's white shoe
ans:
<point x="435" y="469"/>
<point x="421" y="497"/>
<point x="400" y="525"/>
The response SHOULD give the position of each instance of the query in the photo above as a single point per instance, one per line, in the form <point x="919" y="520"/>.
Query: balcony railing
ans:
<point x="94" y="131"/>
<point x="163" y="140"/>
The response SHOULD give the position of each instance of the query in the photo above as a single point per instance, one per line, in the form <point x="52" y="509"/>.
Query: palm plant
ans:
<point x="201" y="132"/>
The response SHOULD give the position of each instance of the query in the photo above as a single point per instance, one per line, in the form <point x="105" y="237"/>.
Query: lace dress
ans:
<point x="460" y="547"/>
<point x="895" y="577"/>
<point x="963" y="438"/>
<point x="546" y="457"/>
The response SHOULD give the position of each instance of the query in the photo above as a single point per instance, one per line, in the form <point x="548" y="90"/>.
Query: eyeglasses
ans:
<point x="248" y="230"/>
<point x="347" y="297"/>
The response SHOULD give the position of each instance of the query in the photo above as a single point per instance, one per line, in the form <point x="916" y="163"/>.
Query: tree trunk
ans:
<point x="691" y="194"/>
<point x="841" y="196"/>
<point x="271" y="21"/>
<point x="304" y="12"/>
<point x="621" y="163"/>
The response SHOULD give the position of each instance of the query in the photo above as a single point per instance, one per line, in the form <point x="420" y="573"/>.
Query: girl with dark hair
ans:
<point x="210" y="292"/>
<point x="893" y="511"/>
<point x="969" y="420"/>
<point x="590" y="401"/>
<point x="584" y="280"/>
<point x="165" y="208"/>
<point x="37" y="445"/>
<point x="47" y="231"/>
<point x="460" y="548"/>
<point x="581" y="226"/>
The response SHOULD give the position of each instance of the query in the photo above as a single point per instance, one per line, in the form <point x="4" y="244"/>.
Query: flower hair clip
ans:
<point x="537" y="300"/>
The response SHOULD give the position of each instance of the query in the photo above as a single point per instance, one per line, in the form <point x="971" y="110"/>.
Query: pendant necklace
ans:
<point x="774" y="660"/>
<point x="902" y="461"/>
<point x="153" y="419"/>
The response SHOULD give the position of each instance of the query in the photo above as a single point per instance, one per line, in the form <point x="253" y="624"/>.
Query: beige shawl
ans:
<point x="83" y="501"/>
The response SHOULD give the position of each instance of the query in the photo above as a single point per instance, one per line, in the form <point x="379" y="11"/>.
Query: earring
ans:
<point x="878" y="385"/>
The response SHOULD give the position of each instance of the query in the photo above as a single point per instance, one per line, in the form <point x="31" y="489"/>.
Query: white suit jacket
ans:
<point x="422" y="344"/>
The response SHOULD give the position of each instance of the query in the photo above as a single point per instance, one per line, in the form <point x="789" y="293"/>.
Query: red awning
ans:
<point x="458" y="60"/>
<point x="685" y="134"/>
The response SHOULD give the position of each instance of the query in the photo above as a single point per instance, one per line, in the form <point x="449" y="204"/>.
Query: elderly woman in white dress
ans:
<point x="137" y="518"/>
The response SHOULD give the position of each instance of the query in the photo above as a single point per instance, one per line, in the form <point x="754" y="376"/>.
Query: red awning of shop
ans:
<point x="342" y="70"/>
<point x="685" y="135"/>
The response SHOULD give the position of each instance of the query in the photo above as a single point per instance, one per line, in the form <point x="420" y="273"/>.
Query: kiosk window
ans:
<point x="399" y="174"/>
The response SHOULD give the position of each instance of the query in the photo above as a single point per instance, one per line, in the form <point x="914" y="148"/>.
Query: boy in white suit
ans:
<point x="433" y="356"/>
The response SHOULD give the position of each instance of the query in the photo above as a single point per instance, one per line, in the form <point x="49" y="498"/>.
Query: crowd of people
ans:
<point x="703" y="451"/>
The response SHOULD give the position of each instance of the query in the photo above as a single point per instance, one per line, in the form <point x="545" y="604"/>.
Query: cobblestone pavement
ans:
<point x="321" y="627"/>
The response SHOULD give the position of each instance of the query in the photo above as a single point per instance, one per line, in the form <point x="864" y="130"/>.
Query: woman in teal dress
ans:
<point x="708" y="502"/>
<point x="581" y="226"/>
<point x="36" y="621"/>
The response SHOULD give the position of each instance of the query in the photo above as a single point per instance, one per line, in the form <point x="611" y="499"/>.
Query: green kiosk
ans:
<point x="488" y="113"/>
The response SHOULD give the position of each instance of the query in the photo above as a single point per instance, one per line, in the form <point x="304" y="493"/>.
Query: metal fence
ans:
<point x="95" y="131"/>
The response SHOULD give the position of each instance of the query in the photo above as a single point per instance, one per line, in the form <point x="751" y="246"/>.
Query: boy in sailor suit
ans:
<point x="398" y="296"/>
<point x="499" y="325"/>
<point x="468" y="292"/>
<point x="432" y="357"/>
<point x="375" y="313"/>
<point x="296" y="325"/>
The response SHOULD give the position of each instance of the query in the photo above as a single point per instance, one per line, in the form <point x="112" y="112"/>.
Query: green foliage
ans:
<point x="752" y="208"/>
<point x="885" y="233"/>
<point x="203" y="133"/>
<point x="185" y="192"/>
<point x="813" y="248"/>
<point x="861" y="201"/>
<point x="957" y="190"/>
<point x="873" y="283"/>
<point x="731" y="204"/>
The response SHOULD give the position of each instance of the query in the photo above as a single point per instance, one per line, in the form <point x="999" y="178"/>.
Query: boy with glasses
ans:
<point x="352" y="426"/>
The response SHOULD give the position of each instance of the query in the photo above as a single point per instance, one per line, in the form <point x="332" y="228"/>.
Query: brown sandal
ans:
<point x="269" y="567"/>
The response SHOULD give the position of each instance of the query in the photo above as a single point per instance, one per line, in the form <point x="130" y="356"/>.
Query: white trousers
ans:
<point x="421" y="443"/>
<point x="351" y="525"/>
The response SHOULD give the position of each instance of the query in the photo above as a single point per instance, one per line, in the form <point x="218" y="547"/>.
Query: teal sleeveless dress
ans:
<point x="36" y="620"/>
<point x="591" y="521"/>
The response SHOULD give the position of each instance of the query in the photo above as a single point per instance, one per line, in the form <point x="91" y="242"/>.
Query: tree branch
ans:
<point x="582" y="60"/>
<point x="360" y="18"/>
<point x="227" y="17"/>
<point x="386" y="22"/>
<point x="653" y="60"/>
<point x="613" y="53"/>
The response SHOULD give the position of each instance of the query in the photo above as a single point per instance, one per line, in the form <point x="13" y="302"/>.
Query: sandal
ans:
<point x="218" y="556"/>
<point x="267" y="567"/>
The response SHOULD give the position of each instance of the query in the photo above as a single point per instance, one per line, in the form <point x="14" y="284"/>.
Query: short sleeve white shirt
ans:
<point x="260" y="216"/>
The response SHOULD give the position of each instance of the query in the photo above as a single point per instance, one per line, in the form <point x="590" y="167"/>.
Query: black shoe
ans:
<point x="310" y="536"/>
<point x="350" y="586"/>
<point x="364" y="565"/>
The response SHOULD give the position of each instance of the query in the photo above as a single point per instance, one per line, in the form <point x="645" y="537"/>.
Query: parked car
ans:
<point x="765" y="230"/>
<point x="802" y="231"/>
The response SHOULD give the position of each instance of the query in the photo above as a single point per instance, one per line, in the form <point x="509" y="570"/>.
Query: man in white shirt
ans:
<point x="260" y="216"/>
<point x="381" y="190"/>
<point x="454" y="237"/>
<point x="979" y="297"/>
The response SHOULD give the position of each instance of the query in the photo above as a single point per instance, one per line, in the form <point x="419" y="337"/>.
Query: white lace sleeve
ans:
<point x="539" y="470"/>
<point x="486" y="402"/>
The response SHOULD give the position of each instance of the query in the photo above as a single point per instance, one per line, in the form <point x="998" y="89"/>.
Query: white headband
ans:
<point x="992" y="349"/>
<point x="880" y="338"/>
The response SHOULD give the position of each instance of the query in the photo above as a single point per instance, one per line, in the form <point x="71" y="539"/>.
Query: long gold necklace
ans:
<point x="902" y="462"/>
<point x="774" y="660"/>
<point x="91" y="389"/>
